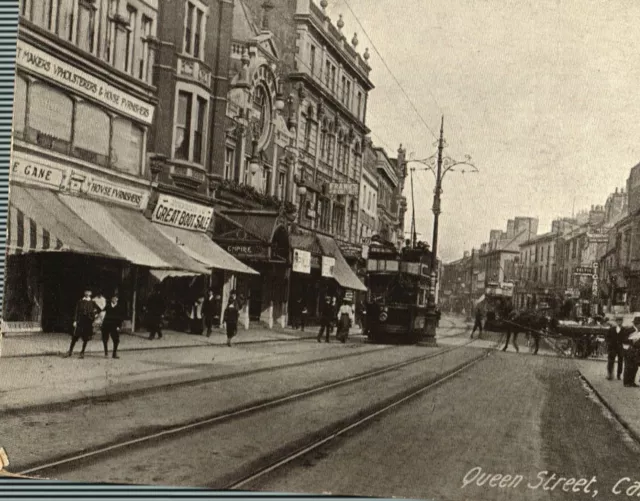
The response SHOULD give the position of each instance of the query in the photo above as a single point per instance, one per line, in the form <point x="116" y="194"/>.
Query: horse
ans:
<point x="532" y="323"/>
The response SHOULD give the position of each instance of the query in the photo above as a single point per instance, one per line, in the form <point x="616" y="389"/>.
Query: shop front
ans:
<point x="70" y="229"/>
<point x="259" y="239"/>
<point x="187" y="225"/>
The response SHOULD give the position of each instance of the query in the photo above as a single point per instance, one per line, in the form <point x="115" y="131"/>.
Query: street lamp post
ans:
<point x="439" y="166"/>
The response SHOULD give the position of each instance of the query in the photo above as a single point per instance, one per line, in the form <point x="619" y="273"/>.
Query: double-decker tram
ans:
<point x="398" y="284"/>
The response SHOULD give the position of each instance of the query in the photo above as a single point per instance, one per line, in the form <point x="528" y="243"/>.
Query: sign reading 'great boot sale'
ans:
<point x="182" y="214"/>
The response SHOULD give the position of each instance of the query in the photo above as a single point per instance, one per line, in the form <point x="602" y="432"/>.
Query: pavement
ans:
<point x="622" y="402"/>
<point x="34" y="374"/>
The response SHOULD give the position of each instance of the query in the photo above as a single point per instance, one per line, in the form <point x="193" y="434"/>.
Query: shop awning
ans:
<point x="306" y="242"/>
<point x="64" y="223"/>
<point x="201" y="248"/>
<point x="342" y="272"/>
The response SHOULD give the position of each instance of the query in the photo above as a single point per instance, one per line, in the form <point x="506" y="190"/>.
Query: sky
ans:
<point x="542" y="94"/>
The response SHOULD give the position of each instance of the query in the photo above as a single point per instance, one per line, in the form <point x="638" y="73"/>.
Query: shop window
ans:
<point x="110" y="48"/>
<point x="130" y="37"/>
<point x="147" y="27"/>
<point x="194" y="29"/>
<point x="190" y="131"/>
<point x="282" y="183"/>
<point x="229" y="163"/>
<point x="64" y="19"/>
<point x="266" y="180"/>
<point x="50" y="117"/>
<point x="127" y="146"/>
<point x="86" y="25"/>
<point x="312" y="59"/>
<point x="183" y="126"/>
<point x="359" y="105"/>
<point x="20" y="106"/>
<point x="91" y="134"/>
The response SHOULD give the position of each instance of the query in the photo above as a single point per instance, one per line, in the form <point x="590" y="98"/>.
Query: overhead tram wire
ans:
<point x="373" y="45"/>
<point x="396" y="80"/>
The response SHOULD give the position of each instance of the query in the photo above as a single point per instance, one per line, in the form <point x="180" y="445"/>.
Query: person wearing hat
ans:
<point x="615" y="338"/>
<point x="85" y="314"/>
<point x="211" y="311"/>
<point x="345" y="320"/>
<point x="155" y="310"/>
<point x="326" y="319"/>
<point x="632" y="356"/>
<point x="114" y="315"/>
<point x="231" y="317"/>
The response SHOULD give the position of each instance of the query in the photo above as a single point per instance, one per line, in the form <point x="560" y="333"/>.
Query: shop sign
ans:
<point x="328" y="264"/>
<point x="583" y="270"/>
<point x="193" y="70"/>
<point x="247" y="251"/>
<point x="33" y="170"/>
<point x="46" y="65"/>
<point x="301" y="261"/>
<point x="182" y="214"/>
<point x="344" y="189"/>
<point x="105" y="190"/>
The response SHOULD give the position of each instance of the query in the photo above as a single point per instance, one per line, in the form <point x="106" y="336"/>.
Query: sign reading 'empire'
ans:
<point x="182" y="214"/>
<point x="40" y="62"/>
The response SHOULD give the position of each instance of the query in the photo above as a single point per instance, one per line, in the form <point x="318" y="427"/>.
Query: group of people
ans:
<point x="623" y="345"/>
<point x="203" y="314"/>
<point x="343" y="318"/>
<point x="93" y="315"/>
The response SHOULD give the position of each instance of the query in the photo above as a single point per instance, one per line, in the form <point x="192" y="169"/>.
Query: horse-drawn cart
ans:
<point x="578" y="340"/>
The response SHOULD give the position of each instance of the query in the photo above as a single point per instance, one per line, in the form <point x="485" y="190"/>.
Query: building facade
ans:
<point x="84" y="105"/>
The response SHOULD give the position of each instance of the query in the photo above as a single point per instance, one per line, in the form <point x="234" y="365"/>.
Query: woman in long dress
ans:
<point x="345" y="320"/>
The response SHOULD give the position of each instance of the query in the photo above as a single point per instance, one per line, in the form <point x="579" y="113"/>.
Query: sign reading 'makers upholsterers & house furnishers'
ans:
<point x="43" y="64"/>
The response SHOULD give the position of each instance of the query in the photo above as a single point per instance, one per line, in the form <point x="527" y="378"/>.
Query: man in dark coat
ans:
<point x="615" y="338"/>
<point x="155" y="311"/>
<point x="231" y="317"/>
<point x="327" y="314"/>
<point x="211" y="311"/>
<point x="477" y="324"/>
<point x="113" y="318"/>
<point x="86" y="311"/>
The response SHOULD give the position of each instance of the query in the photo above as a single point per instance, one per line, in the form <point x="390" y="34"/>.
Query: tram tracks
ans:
<point x="75" y="461"/>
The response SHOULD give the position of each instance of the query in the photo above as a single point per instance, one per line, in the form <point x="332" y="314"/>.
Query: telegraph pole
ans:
<point x="414" y="236"/>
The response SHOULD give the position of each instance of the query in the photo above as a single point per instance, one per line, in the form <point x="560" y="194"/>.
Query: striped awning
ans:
<point x="45" y="221"/>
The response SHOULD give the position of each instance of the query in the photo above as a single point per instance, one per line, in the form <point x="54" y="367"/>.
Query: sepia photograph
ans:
<point x="371" y="248"/>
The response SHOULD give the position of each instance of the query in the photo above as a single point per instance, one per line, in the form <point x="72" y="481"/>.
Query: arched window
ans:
<point x="50" y="117"/>
<point x="91" y="133"/>
<point x="20" y="106"/>
<point x="126" y="147"/>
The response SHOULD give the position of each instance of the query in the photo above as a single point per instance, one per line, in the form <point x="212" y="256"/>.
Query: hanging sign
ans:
<point x="182" y="214"/>
<point x="301" y="261"/>
<point x="328" y="264"/>
<point x="46" y="65"/>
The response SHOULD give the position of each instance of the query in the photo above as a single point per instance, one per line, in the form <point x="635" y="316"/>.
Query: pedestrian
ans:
<point x="196" y="316"/>
<point x="439" y="314"/>
<point x="512" y="328"/>
<point x="326" y="319"/>
<point x="632" y="357"/>
<point x="210" y="311"/>
<point x="477" y="324"/>
<point x="363" y="316"/>
<point x="114" y="316"/>
<point x="345" y="320"/>
<point x="615" y="350"/>
<point x="231" y="315"/>
<point x="155" y="310"/>
<point x="85" y="314"/>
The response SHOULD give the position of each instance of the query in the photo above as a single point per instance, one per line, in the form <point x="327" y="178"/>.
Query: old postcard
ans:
<point x="346" y="247"/>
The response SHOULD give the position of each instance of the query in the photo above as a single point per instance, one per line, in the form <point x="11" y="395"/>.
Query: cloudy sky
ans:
<point x="544" y="95"/>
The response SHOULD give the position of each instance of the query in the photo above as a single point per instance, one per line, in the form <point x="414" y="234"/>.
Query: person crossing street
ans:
<point x="477" y="324"/>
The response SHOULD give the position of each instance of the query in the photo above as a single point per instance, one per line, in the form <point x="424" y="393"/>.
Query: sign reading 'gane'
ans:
<point x="41" y="63"/>
<point x="31" y="170"/>
<point x="182" y="214"/>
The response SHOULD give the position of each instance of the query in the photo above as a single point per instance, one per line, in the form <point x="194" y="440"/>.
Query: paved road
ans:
<point x="509" y="415"/>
